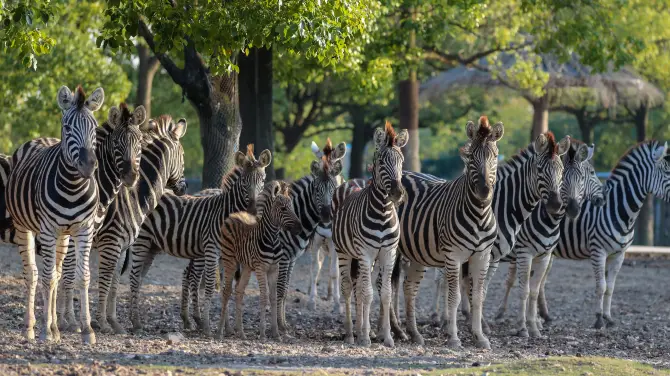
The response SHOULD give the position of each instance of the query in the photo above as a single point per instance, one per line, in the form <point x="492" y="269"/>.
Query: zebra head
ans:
<point x="281" y="211"/>
<point x="594" y="190"/>
<point x="326" y="176"/>
<point x="387" y="164"/>
<point x="171" y="133"/>
<point x="480" y="156"/>
<point x="331" y="154"/>
<point x="78" y="128"/>
<point x="127" y="140"/>
<point x="660" y="176"/>
<point x="252" y="177"/>
<point x="575" y="163"/>
<point x="549" y="173"/>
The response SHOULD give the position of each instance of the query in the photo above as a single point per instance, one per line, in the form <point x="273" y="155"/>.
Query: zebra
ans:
<point x="50" y="192"/>
<point x="446" y="223"/>
<point x="312" y="196"/>
<point x="252" y="242"/>
<point x="532" y="176"/>
<point x="602" y="234"/>
<point x="161" y="167"/>
<point x="190" y="227"/>
<point x="540" y="234"/>
<point x="365" y="228"/>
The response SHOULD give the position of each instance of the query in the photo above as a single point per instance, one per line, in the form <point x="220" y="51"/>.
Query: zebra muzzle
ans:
<point x="86" y="163"/>
<point x="554" y="203"/>
<point x="573" y="208"/>
<point x="397" y="193"/>
<point x="326" y="213"/>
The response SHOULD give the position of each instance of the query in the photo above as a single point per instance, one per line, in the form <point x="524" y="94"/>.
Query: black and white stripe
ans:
<point x="252" y="243"/>
<point x="50" y="192"/>
<point x="190" y="227"/>
<point x="366" y="229"/>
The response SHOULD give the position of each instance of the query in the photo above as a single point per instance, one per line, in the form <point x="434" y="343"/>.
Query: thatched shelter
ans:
<point x="571" y="87"/>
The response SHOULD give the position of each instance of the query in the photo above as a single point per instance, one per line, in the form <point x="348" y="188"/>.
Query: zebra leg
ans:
<point x="395" y="307"/>
<point x="82" y="242"/>
<point x="452" y="274"/>
<point x="112" y="299"/>
<point x="53" y="253"/>
<point x="540" y="265"/>
<point x="186" y="296"/>
<point x="239" y="296"/>
<point x="509" y="283"/>
<point x="26" y="242"/>
<point x="523" y="260"/>
<point x="69" y="321"/>
<point x="334" y="275"/>
<point x="273" y="273"/>
<point x="466" y="290"/>
<point x="317" y="262"/>
<point x="211" y="270"/>
<point x="386" y="263"/>
<point x="489" y="276"/>
<point x="229" y="267"/>
<point x="541" y="299"/>
<point x="437" y="281"/>
<point x="598" y="261"/>
<point x="262" y="278"/>
<point x="444" y="293"/>
<point x="195" y="284"/>
<point x="414" y="275"/>
<point x="108" y="257"/>
<point x="364" y="294"/>
<point x="142" y="258"/>
<point x="479" y="267"/>
<point x="347" y="288"/>
<point x="285" y="270"/>
<point x="614" y="263"/>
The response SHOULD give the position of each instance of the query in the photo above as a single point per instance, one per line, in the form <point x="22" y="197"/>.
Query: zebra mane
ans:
<point x="484" y="127"/>
<point x="574" y="147"/>
<point x="552" y="145"/>
<point x="328" y="149"/>
<point x="80" y="97"/>
<point x="243" y="218"/>
<point x="617" y="170"/>
<point x="230" y="179"/>
<point x="390" y="134"/>
<point x="517" y="159"/>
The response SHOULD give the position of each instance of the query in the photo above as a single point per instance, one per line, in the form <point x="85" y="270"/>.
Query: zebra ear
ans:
<point x="340" y="151"/>
<point x="336" y="168"/>
<point x="471" y="129"/>
<point x="139" y="116"/>
<point x="178" y="130"/>
<point x="563" y="145"/>
<point x="151" y="126"/>
<point x="315" y="168"/>
<point x="589" y="153"/>
<point x="540" y="144"/>
<point x="94" y="102"/>
<point x="114" y="117"/>
<point x="497" y="132"/>
<point x="380" y="138"/>
<point x="660" y="152"/>
<point x="315" y="149"/>
<point x="402" y="138"/>
<point x="65" y="98"/>
<point x="265" y="158"/>
<point x="240" y="158"/>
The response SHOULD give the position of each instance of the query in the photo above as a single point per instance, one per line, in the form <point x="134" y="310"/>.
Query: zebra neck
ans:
<point x="304" y="206"/>
<point x="107" y="176"/>
<point x="515" y="195"/>
<point x="69" y="173"/>
<point x="377" y="195"/>
<point x="629" y="187"/>
<point x="153" y="176"/>
<point x="467" y="186"/>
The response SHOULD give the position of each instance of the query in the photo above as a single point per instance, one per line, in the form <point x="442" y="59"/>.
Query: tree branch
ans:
<point x="326" y="130"/>
<point x="177" y="74"/>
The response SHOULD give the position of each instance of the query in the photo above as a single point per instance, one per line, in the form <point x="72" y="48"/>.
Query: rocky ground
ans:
<point x="641" y="306"/>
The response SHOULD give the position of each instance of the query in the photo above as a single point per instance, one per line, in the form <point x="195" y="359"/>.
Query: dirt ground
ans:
<point x="641" y="306"/>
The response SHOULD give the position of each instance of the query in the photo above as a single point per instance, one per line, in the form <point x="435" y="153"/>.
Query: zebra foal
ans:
<point x="252" y="243"/>
<point x="50" y="192"/>
<point x="365" y="228"/>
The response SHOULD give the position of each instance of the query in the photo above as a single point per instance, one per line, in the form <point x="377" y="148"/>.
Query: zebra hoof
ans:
<point x="30" y="335"/>
<point x="535" y="334"/>
<point x="485" y="327"/>
<point x="311" y="305"/>
<point x="117" y="328"/>
<point x="400" y="334"/>
<point x="388" y="342"/>
<point x="88" y="338"/>
<point x="599" y="321"/>
<point x="364" y="341"/>
<point x="523" y="332"/>
<point x="547" y="318"/>
<point x="349" y="340"/>
<point x="72" y="328"/>
<point x="418" y="339"/>
<point x="453" y="343"/>
<point x="106" y="329"/>
<point x="373" y="335"/>
<point x="483" y="344"/>
<point x="95" y="325"/>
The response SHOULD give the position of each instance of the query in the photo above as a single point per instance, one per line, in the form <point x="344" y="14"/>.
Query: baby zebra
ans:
<point x="365" y="228"/>
<point x="253" y="243"/>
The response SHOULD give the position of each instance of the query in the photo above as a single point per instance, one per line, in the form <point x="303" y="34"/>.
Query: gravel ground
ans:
<point x="641" y="306"/>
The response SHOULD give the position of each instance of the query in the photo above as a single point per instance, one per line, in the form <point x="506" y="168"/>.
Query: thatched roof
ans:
<point x="570" y="83"/>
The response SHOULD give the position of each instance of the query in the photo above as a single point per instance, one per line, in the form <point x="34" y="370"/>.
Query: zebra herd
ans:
<point x="120" y="188"/>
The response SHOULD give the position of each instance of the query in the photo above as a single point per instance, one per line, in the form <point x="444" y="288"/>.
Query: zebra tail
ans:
<point x="395" y="275"/>
<point x="6" y="224"/>
<point x="126" y="262"/>
<point x="353" y="272"/>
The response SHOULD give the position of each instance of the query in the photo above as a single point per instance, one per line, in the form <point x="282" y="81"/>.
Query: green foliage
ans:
<point x="28" y="98"/>
<point x="20" y="29"/>
<point x="320" y="30"/>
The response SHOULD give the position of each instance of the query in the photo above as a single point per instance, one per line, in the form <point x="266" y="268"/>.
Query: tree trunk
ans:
<point x="585" y="127"/>
<point x="540" y="117"/>
<point x="256" y="102"/>
<point x="409" y="119"/>
<point x="645" y="222"/>
<point x="220" y="127"/>
<point x="359" y="140"/>
<point x="145" y="77"/>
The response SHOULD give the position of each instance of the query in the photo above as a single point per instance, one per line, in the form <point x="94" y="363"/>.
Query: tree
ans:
<point x="146" y="70"/>
<point x="28" y="97"/>
<point x="20" y="29"/>
<point x="209" y="36"/>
